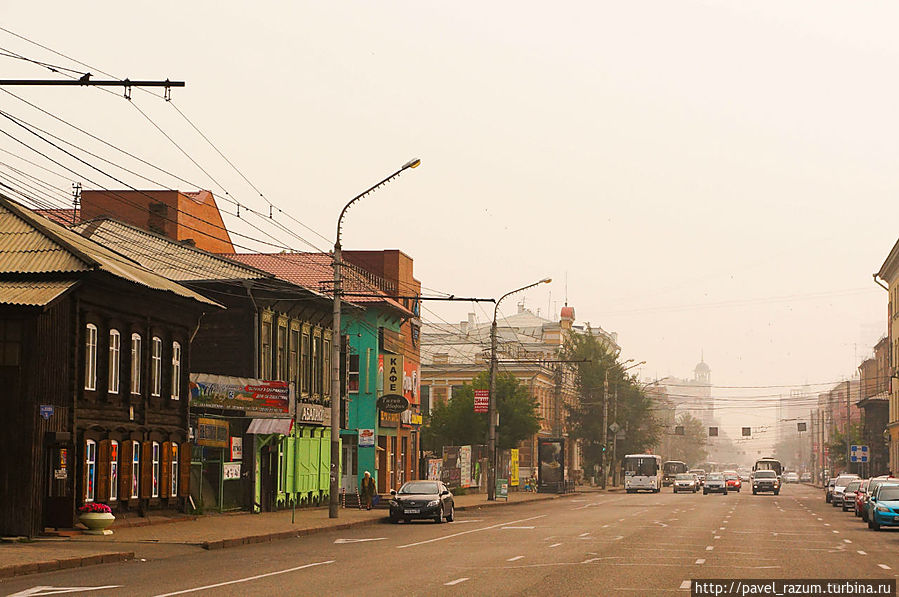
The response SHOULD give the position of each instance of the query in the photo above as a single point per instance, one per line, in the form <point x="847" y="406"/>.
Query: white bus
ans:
<point x="642" y="472"/>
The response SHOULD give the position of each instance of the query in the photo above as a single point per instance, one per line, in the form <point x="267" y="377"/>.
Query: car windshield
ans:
<point x="889" y="493"/>
<point x="419" y="487"/>
<point x="730" y="477"/>
<point x="716" y="477"/>
<point x="844" y="481"/>
<point x="684" y="477"/>
<point x="853" y="486"/>
<point x="765" y="475"/>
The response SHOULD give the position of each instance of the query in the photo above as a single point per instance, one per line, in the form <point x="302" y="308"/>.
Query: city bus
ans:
<point x="670" y="469"/>
<point x="768" y="464"/>
<point x="642" y="472"/>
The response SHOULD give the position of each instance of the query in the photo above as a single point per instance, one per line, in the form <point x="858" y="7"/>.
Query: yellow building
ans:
<point x="889" y="273"/>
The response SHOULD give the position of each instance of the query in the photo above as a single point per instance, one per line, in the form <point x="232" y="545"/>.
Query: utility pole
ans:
<point x="605" y="426"/>
<point x="848" y="421"/>
<point x="613" y="459"/>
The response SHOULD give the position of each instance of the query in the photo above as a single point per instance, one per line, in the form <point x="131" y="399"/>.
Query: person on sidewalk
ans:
<point x="368" y="490"/>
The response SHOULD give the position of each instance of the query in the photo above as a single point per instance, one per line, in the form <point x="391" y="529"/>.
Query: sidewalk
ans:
<point x="213" y="531"/>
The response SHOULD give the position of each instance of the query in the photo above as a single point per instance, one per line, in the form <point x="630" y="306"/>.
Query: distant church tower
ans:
<point x="702" y="378"/>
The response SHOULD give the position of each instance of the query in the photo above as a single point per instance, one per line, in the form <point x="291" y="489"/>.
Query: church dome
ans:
<point x="702" y="368"/>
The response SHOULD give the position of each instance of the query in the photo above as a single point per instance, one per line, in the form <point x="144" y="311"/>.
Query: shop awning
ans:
<point x="269" y="426"/>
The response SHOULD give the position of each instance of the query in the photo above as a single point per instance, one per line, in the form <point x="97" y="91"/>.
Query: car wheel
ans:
<point x="827" y="499"/>
<point x="394" y="519"/>
<point x="754" y="492"/>
<point x="873" y="526"/>
<point x="725" y="492"/>
<point x="449" y="517"/>
<point x="439" y="518"/>
<point x="777" y="492"/>
<point x="704" y="492"/>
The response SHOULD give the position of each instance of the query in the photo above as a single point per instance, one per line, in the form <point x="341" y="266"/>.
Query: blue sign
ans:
<point x="46" y="411"/>
<point x="858" y="453"/>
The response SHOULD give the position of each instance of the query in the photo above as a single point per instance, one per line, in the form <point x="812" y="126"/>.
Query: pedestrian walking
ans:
<point x="368" y="490"/>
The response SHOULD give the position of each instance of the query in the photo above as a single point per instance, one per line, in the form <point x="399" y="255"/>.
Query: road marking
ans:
<point x="717" y="536"/>
<point x="836" y="531"/>
<point x="884" y="566"/>
<point x="48" y="590"/>
<point x="339" y="541"/>
<point x="721" y="528"/>
<point x="583" y="534"/>
<point x="685" y="584"/>
<point x="555" y="545"/>
<point x="827" y="524"/>
<point x="247" y="579"/>
<point x="700" y="561"/>
<point x="515" y="558"/>
<point x="467" y="532"/>
<point x="618" y="537"/>
<point x="605" y="526"/>
<point x="620" y="520"/>
<point x="590" y="560"/>
<point x="455" y="582"/>
<point x="860" y="552"/>
<point x="514" y="528"/>
<point x="709" y="548"/>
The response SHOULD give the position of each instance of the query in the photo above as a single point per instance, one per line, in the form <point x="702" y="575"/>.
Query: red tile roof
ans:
<point x="64" y="217"/>
<point x="314" y="271"/>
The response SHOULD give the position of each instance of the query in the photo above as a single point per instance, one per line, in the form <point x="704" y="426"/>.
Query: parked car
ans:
<point x="700" y="474"/>
<point x="861" y="496"/>
<point x="883" y="506"/>
<point x="805" y="478"/>
<point x="828" y="490"/>
<point x="714" y="483"/>
<point x="791" y="477"/>
<point x="839" y="486"/>
<point x="733" y="481"/>
<point x="765" y="480"/>
<point x="422" y="499"/>
<point x="872" y="485"/>
<point x="849" y="495"/>
<point x="686" y="482"/>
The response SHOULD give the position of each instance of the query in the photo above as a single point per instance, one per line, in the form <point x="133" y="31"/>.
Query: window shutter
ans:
<point x="102" y="492"/>
<point x="184" y="471"/>
<point x="146" y="469"/>
<point x="84" y="470"/>
<point x="126" y="455"/>
<point x="165" y="484"/>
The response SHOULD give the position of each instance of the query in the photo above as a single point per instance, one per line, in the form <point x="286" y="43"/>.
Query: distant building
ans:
<point x="693" y="396"/>
<point x="889" y="273"/>
<point x="874" y="400"/>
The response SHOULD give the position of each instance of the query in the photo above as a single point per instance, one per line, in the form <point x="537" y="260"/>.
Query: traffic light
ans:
<point x="679" y="430"/>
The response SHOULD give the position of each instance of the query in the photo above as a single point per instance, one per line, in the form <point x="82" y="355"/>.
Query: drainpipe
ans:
<point x="876" y="281"/>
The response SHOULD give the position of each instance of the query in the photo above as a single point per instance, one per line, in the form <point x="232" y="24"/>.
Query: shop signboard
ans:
<point x="256" y="397"/>
<point x="388" y="419"/>
<point x="312" y="413"/>
<point x="393" y="403"/>
<point x="513" y="467"/>
<point x="366" y="438"/>
<point x="230" y="470"/>
<point x="213" y="433"/>
<point x="393" y="374"/>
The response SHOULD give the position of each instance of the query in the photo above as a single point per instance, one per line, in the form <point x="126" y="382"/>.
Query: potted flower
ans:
<point x="96" y="517"/>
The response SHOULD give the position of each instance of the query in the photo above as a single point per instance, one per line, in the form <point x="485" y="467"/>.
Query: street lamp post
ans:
<point x="336" y="340"/>
<point x="491" y="398"/>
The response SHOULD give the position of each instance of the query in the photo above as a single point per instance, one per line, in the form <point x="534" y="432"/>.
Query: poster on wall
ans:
<point x="236" y="448"/>
<point x="435" y="465"/>
<point x="450" y="472"/>
<point x="257" y="397"/>
<point x="552" y="461"/>
<point x="366" y="438"/>
<point x="513" y="467"/>
<point x="230" y="470"/>
<point x="465" y="466"/>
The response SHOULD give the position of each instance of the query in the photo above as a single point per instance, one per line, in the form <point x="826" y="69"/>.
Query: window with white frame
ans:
<point x="174" y="484"/>
<point x="135" y="363"/>
<point x="90" y="470"/>
<point x="155" y="471"/>
<point x="135" y="470"/>
<point x="113" y="470"/>
<point x="90" y="357"/>
<point x="115" y="349"/>
<point x="156" y="366"/>
<point x="176" y="371"/>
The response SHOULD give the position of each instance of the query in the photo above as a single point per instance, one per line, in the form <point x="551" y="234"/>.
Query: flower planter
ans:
<point x="97" y="523"/>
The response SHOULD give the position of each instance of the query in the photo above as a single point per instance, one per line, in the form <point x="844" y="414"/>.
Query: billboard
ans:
<point x="551" y="466"/>
<point x="513" y="467"/>
<point x="258" y="398"/>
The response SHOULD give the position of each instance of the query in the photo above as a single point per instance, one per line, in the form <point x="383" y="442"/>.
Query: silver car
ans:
<point x="839" y="486"/>
<point x="715" y="483"/>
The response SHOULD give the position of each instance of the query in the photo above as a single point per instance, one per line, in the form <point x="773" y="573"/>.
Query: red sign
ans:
<point x="481" y="400"/>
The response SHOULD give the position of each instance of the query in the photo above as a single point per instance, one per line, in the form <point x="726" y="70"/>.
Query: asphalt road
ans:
<point x="592" y="544"/>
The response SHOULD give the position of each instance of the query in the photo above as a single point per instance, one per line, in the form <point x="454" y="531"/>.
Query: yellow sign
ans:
<point x="513" y="467"/>
<point x="393" y="374"/>
<point x="416" y="419"/>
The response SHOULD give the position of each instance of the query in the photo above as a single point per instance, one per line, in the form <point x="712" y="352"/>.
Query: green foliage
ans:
<point x="839" y="446"/>
<point x="456" y="424"/>
<point x="691" y="446"/>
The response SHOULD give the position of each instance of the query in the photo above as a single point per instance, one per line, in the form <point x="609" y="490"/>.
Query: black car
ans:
<point x="422" y="499"/>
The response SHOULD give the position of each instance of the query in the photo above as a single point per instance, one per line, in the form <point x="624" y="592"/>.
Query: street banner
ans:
<point x="513" y="467"/>
<point x="256" y="397"/>
<point x="465" y="466"/>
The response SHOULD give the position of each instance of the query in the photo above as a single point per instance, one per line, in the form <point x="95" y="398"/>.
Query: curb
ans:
<point x="65" y="563"/>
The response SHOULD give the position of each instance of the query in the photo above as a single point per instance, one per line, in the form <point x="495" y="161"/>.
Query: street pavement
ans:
<point x="589" y="544"/>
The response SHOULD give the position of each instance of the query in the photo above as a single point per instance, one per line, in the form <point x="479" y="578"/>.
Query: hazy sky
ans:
<point x="710" y="176"/>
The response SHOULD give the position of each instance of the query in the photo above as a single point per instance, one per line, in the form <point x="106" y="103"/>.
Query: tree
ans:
<point x="691" y="446"/>
<point x="838" y="446"/>
<point x="456" y="424"/>
<point x="627" y="403"/>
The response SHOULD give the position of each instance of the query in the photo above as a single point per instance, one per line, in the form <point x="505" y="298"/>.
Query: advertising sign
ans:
<point x="481" y="400"/>
<point x="435" y="465"/>
<point x="502" y="489"/>
<point x="366" y="438"/>
<point x="392" y="403"/>
<point x="393" y="374"/>
<point x="213" y="433"/>
<point x="465" y="466"/>
<point x="551" y="471"/>
<point x="236" y="448"/>
<point x="230" y="470"/>
<point x="312" y="413"/>
<point x="450" y="472"/>
<point x="258" y="398"/>
<point x="513" y="467"/>
<point x="46" y="411"/>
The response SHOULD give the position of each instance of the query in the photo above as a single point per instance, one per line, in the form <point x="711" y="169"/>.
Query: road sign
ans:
<point x="801" y="427"/>
<point x="679" y="430"/>
<point x="747" y="431"/>
<point x="858" y="453"/>
<point x="481" y="400"/>
<point x="614" y="427"/>
<point x="713" y="432"/>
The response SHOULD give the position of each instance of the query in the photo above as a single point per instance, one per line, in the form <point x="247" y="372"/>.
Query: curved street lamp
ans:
<point x="491" y="399"/>
<point x="334" y="501"/>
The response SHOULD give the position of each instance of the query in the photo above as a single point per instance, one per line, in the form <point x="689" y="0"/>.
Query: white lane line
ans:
<point x="590" y="560"/>
<point x="516" y="528"/>
<point x="685" y="584"/>
<point x="555" y="545"/>
<point x="709" y="548"/>
<point x="862" y="553"/>
<point x="827" y="524"/>
<point x="618" y="537"/>
<point x="515" y="559"/>
<point x="884" y="566"/>
<point x="583" y="534"/>
<point x="717" y="536"/>
<point x="247" y="579"/>
<point x="605" y="526"/>
<point x="846" y="541"/>
<point x="620" y="520"/>
<point x="836" y="532"/>
<point x="721" y="528"/>
<point x="700" y="561"/>
<point x="467" y="532"/>
<point x="455" y="582"/>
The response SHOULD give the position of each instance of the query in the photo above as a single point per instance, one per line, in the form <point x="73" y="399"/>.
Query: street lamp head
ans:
<point x="413" y="163"/>
<point x="546" y="280"/>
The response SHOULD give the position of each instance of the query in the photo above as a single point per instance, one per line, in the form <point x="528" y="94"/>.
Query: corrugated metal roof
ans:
<point x="32" y="293"/>
<point x="48" y="247"/>
<point x="164" y="256"/>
